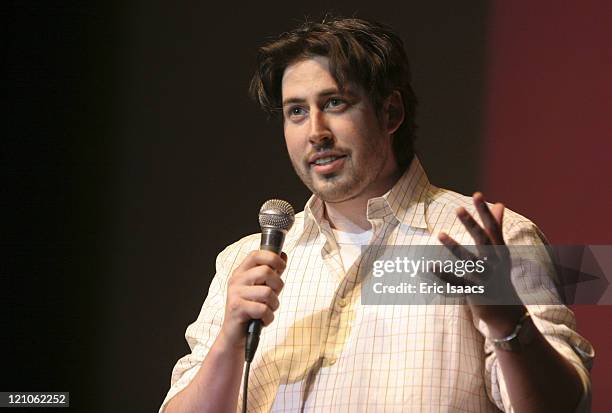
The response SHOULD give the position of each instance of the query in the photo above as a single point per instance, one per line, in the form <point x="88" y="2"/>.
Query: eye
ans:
<point x="295" y="111"/>
<point x="336" y="103"/>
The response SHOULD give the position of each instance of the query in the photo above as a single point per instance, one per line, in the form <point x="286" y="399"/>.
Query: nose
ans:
<point x="319" y="129"/>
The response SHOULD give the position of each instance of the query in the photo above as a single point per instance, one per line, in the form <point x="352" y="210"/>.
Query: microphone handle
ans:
<point x="252" y="340"/>
<point x="272" y="239"/>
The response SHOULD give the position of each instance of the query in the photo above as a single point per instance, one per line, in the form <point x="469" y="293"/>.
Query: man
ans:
<point x="343" y="87"/>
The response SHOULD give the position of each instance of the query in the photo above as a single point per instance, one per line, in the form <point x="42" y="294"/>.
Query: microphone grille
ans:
<point x="277" y="214"/>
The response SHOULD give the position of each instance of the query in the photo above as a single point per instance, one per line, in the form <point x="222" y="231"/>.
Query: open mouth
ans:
<point x="328" y="164"/>
<point x="327" y="160"/>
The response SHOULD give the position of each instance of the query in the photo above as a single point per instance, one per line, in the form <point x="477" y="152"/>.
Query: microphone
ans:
<point x="275" y="219"/>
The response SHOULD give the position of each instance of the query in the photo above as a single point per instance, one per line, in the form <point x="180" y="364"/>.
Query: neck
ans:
<point x="348" y="216"/>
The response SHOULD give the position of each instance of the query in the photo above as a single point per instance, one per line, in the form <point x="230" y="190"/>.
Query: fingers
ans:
<point x="498" y="212"/>
<point x="492" y="223"/>
<point x="462" y="254"/>
<point x="492" y="233"/>
<point x="455" y="248"/>
<point x="252" y="310"/>
<point x="250" y="302"/>
<point x="254" y="287"/>
<point x="478" y="234"/>
<point x="261" y="294"/>
<point x="261" y="268"/>
<point x="252" y="293"/>
<point x="262" y="257"/>
<point x="262" y="275"/>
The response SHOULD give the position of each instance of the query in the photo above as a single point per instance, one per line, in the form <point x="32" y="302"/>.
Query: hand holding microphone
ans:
<point x="252" y="298"/>
<point x="254" y="286"/>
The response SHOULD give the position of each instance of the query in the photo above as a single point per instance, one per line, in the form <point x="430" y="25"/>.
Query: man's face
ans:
<point x="336" y="143"/>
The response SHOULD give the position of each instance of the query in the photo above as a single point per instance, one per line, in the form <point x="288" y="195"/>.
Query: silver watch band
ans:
<point x="520" y="335"/>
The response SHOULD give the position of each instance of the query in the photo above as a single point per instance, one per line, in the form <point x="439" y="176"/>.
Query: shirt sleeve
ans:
<point x="535" y="279"/>
<point x="201" y="334"/>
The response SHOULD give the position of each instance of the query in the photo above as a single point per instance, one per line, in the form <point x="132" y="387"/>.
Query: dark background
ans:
<point x="132" y="156"/>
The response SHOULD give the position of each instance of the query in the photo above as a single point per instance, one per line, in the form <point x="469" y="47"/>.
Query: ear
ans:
<point x="394" y="111"/>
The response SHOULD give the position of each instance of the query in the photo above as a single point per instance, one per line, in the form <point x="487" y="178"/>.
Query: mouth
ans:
<point x="327" y="163"/>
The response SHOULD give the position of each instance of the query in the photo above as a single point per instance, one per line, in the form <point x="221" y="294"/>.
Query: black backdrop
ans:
<point x="132" y="155"/>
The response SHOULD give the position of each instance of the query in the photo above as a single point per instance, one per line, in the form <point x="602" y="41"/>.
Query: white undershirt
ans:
<point x="350" y="243"/>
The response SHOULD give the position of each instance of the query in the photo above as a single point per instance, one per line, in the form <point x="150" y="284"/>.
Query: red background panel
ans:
<point x="547" y="136"/>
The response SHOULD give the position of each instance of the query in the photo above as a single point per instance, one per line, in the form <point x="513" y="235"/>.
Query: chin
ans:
<point x="332" y="188"/>
<point x="336" y="192"/>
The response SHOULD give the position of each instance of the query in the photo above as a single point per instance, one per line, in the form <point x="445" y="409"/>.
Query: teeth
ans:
<point x="323" y="161"/>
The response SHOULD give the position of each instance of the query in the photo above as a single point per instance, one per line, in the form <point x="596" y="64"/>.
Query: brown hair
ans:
<point x="362" y="52"/>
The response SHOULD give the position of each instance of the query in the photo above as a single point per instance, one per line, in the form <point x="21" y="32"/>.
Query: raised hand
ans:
<point x="500" y="318"/>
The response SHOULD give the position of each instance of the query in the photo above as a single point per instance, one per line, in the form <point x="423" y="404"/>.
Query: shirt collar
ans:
<point x="405" y="201"/>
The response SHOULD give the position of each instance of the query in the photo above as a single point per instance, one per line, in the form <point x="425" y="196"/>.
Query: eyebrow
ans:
<point x="323" y="93"/>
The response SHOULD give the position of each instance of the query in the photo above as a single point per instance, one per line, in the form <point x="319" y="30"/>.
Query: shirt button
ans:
<point x="342" y="302"/>
<point x="331" y="361"/>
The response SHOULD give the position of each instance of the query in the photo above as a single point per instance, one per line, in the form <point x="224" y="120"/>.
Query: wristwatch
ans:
<point x="520" y="336"/>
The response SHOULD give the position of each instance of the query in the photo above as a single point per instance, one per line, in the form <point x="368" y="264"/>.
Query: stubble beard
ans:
<point x="361" y="169"/>
<point x="347" y="184"/>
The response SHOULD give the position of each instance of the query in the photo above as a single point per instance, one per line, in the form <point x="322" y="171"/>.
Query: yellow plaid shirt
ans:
<point x="326" y="352"/>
